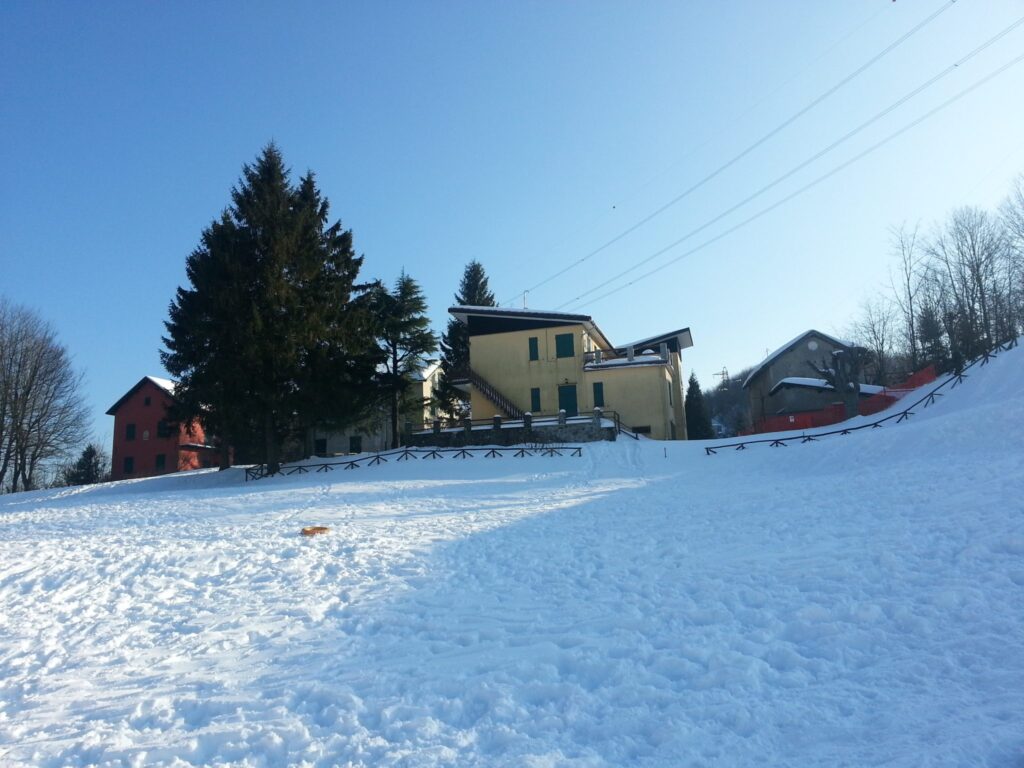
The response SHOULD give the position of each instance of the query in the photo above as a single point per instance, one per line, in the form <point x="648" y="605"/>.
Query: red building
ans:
<point x="146" y="442"/>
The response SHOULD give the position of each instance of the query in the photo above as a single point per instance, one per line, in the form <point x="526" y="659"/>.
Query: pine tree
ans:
<point x="698" y="422"/>
<point x="473" y="292"/>
<point x="930" y="339"/>
<point x="404" y="337"/>
<point x="273" y="333"/>
<point x="90" y="468"/>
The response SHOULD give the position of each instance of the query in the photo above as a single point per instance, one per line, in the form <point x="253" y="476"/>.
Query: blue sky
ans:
<point x="524" y="135"/>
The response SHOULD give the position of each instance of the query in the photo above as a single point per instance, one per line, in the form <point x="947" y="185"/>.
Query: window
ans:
<point x="535" y="400"/>
<point x="643" y="430"/>
<point x="599" y="394"/>
<point x="564" y="345"/>
<point x="163" y="428"/>
<point x="145" y="434"/>
<point x="146" y="400"/>
<point x="669" y="392"/>
<point x="320" y="446"/>
<point x="129" y="465"/>
<point x="534" y="348"/>
<point x="161" y="462"/>
<point x="129" y="432"/>
<point x="355" y="444"/>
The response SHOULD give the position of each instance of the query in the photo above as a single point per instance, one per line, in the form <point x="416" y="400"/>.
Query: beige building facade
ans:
<point x="524" y="361"/>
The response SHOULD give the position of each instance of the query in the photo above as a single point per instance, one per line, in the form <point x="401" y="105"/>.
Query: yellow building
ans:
<point x="527" y="361"/>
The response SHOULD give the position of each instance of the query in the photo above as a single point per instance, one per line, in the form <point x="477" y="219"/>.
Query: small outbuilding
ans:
<point x="782" y="383"/>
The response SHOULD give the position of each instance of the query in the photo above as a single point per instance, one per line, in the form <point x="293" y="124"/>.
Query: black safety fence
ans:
<point x="258" y="471"/>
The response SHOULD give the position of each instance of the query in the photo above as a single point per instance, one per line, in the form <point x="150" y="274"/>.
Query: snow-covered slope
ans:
<point x="856" y="601"/>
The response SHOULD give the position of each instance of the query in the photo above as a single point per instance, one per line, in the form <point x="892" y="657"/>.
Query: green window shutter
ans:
<point x="564" y="345"/>
<point x="535" y="400"/>
<point x="599" y="394"/>
<point x="534" y="348"/>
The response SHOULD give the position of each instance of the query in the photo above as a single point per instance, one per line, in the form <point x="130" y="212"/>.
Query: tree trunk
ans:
<point x="273" y="456"/>
<point x="224" y="451"/>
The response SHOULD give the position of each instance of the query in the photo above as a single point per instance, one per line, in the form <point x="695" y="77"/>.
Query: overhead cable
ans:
<point x="778" y="180"/>
<point x="815" y="182"/>
<point x="725" y="166"/>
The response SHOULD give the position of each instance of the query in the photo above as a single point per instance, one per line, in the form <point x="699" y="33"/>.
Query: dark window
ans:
<point x="355" y="444"/>
<point x="145" y="400"/>
<point x="643" y="430"/>
<point x="535" y="400"/>
<point x="163" y="428"/>
<point x="564" y="345"/>
<point x="129" y="465"/>
<point x="320" y="446"/>
<point x="129" y="432"/>
<point x="161" y="462"/>
<point x="599" y="394"/>
<point x="669" y="393"/>
<point x="534" y="348"/>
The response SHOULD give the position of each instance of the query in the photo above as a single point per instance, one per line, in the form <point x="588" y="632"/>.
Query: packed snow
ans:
<point x="854" y="601"/>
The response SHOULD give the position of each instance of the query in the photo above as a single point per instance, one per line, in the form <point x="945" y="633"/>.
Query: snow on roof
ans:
<point x="820" y="384"/>
<point x="785" y="348"/>
<point x="625" y="362"/>
<point x="469" y="309"/>
<point x="165" y="384"/>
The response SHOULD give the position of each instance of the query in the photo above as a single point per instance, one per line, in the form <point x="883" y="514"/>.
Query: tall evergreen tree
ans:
<point x="272" y="318"/>
<point x="473" y="292"/>
<point x="405" y="338"/>
<point x="93" y="466"/>
<point x="698" y="420"/>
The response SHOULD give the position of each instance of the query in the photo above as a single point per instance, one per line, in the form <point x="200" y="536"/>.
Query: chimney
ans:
<point x="629" y="353"/>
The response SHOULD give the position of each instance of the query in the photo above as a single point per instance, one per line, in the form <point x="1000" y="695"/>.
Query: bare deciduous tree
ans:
<point x="906" y="285"/>
<point x="875" y="330"/>
<point x="43" y="418"/>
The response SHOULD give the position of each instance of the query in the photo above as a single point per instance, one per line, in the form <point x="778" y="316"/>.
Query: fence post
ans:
<point x="527" y="421"/>
<point x="437" y="426"/>
<point x="467" y="427"/>
<point x="496" y="424"/>
<point x="597" y="417"/>
<point x="561" y="417"/>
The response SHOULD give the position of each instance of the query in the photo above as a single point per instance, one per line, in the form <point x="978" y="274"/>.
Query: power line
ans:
<point x="778" y="180"/>
<point x="781" y="126"/>
<point x="816" y="181"/>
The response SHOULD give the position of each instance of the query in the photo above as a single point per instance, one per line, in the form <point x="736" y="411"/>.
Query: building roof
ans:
<point x="677" y="341"/>
<point x="786" y="348"/>
<point x="486" y="320"/>
<point x="165" y="384"/>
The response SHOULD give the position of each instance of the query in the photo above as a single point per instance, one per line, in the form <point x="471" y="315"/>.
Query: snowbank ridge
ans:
<point x="848" y="602"/>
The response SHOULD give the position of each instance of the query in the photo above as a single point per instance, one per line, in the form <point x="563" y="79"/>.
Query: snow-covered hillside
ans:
<point x="856" y="601"/>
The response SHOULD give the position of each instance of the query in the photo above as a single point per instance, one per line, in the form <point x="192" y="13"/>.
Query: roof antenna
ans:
<point x="524" y="298"/>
